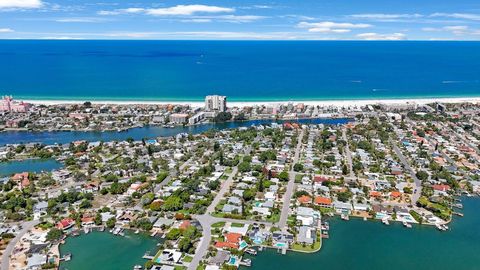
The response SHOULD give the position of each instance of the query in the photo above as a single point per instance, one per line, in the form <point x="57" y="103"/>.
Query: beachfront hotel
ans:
<point x="216" y="103"/>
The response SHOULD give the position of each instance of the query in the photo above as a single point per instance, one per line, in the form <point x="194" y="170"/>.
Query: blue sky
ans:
<point x="241" y="19"/>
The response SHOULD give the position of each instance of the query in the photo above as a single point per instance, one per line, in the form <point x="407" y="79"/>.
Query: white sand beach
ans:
<point x="333" y="103"/>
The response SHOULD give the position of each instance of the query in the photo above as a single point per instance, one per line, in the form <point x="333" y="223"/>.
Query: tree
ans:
<point x="173" y="203"/>
<point x="98" y="219"/>
<point x="111" y="222"/>
<point x="298" y="167"/>
<point x="248" y="194"/>
<point x="213" y="185"/>
<point x="244" y="166"/>
<point x="222" y="117"/>
<point x="283" y="176"/>
<point x="422" y="175"/>
<point x="85" y="204"/>
<point x="185" y="244"/>
<point x="174" y="234"/>
<point x="54" y="234"/>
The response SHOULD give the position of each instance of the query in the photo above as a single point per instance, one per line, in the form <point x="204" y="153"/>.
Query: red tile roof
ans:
<point x="323" y="200"/>
<point x="304" y="199"/>
<point x="441" y="187"/>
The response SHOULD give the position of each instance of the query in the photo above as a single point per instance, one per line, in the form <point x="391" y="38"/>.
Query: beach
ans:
<point x="333" y="103"/>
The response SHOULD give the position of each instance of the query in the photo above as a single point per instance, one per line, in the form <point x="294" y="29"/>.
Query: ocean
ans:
<point x="242" y="70"/>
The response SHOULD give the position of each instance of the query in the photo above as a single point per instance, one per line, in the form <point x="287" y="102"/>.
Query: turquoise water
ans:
<point x="242" y="70"/>
<point x="29" y="165"/>
<point x="357" y="244"/>
<point x="62" y="137"/>
<point x="103" y="250"/>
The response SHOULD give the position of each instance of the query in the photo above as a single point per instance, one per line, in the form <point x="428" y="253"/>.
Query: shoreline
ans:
<point x="332" y="102"/>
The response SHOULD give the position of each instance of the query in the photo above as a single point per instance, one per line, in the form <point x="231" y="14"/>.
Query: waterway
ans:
<point x="358" y="244"/>
<point x="30" y="165"/>
<point x="105" y="251"/>
<point x="63" y="137"/>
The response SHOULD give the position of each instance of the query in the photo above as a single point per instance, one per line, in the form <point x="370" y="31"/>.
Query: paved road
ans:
<point x="466" y="141"/>
<point x="139" y="206"/>
<point x="206" y="221"/>
<point x="347" y="153"/>
<point x="290" y="186"/>
<point x="26" y="226"/>
<point x="224" y="189"/>
<point x="418" y="184"/>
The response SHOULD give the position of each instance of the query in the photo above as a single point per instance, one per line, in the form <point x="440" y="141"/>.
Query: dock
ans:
<point x="458" y="214"/>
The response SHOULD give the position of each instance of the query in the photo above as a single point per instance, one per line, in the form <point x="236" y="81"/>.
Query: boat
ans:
<point x="67" y="257"/>
<point x="137" y="231"/>
<point x="246" y="262"/>
<point x="251" y="251"/>
<point x="440" y="227"/>
<point x="137" y="267"/>
<point x="385" y="221"/>
<point x="345" y="217"/>
<point x="407" y="225"/>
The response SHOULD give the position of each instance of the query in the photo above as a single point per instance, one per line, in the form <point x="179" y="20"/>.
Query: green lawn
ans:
<point x="307" y="248"/>
<point x="187" y="258"/>
<point x="218" y="224"/>
<point x="238" y="225"/>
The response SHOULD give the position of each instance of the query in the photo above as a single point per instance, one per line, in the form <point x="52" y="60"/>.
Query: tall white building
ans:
<point x="216" y="103"/>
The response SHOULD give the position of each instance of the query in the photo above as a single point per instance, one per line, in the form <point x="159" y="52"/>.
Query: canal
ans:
<point x="103" y="250"/>
<point x="63" y="137"/>
<point x="358" y="244"/>
<point x="29" y="165"/>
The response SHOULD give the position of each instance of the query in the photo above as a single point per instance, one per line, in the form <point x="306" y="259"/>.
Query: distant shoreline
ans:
<point x="335" y="103"/>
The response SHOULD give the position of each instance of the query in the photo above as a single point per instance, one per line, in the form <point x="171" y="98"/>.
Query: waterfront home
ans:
<point x="169" y="256"/>
<point x="342" y="207"/>
<point x="65" y="224"/>
<point x="306" y="235"/>
<point x="231" y="240"/>
<point x="35" y="261"/>
<point x="220" y="257"/>
<point x="323" y="201"/>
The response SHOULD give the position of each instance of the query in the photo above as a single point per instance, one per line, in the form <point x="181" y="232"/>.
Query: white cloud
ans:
<point x="331" y="27"/>
<point x="465" y="16"/>
<point x="6" y="30"/>
<point x="376" y="36"/>
<point x="14" y="4"/>
<point x="62" y="38"/>
<point x="197" y="20"/>
<point x="454" y="29"/>
<point x="178" y="10"/>
<point x="382" y="16"/>
<point x="238" y="18"/>
<point x="80" y="20"/>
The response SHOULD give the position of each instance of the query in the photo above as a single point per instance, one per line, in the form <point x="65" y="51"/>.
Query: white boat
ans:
<point x="406" y="224"/>
<point x="385" y="221"/>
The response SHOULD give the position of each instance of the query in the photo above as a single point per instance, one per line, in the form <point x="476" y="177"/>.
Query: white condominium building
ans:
<point x="216" y="103"/>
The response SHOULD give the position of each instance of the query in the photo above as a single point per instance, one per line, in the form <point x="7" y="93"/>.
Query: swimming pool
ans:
<point x="243" y="245"/>
<point x="280" y="244"/>
<point x="232" y="261"/>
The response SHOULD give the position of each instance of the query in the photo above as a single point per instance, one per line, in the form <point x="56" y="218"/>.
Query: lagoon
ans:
<point x="358" y="244"/>
<point x="105" y="251"/>
<point x="63" y="137"/>
<point x="30" y="165"/>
